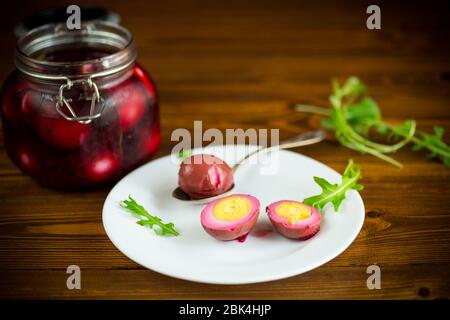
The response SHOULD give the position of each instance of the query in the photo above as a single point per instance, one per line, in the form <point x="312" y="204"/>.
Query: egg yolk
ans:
<point x="232" y="208"/>
<point x="293" y="211"/>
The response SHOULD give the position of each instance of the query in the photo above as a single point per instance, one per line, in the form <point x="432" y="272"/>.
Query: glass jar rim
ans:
<point x="91" y="33"/>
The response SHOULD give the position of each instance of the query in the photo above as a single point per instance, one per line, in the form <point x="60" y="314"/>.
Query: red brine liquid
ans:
<point x="71" y="155"/>
<point x="261" y="233"/>
<point x="242" y="238"/>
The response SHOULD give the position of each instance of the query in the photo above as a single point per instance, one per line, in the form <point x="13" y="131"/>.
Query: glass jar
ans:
<point x="78" y="111"/>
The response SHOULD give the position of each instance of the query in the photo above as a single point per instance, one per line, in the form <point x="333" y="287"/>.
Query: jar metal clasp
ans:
<point x="97" y="102"/>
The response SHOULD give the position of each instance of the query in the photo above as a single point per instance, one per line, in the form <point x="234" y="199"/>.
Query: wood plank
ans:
<point x="415" y="282"/>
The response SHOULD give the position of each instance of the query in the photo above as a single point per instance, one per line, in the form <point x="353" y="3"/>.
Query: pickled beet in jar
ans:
<point x="79" y="111"/>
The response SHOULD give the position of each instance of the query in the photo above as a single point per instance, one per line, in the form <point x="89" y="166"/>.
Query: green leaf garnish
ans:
<point x="344" y="101"/>
<point x="154" y="222"/>
<point x="335" y="193"/>
<point x="354" y="114"/>
<point x="436" y="147"/>
<point x="183" y="154"/>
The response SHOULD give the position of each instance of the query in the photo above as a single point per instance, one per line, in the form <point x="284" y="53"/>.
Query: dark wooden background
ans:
<point x="244" y="64"/>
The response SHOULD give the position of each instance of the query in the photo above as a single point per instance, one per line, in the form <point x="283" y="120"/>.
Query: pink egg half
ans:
<point x="302" y="229"/>
<point x="230" y="230"/>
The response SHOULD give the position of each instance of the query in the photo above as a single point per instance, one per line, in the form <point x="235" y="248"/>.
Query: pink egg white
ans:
<point x="294" y="219"/>
<point x="230" y="217"/>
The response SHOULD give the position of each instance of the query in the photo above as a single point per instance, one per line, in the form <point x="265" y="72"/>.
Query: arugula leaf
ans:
<point x="437" y="147"/>
<point x="346" y="134"/>
<point x="354" y="113"/>
<point x="335" y="193"/>
<point x="154" y="222"/>
<point x="360" y="115"/>
<point x="183" y="154"/>
<point x="432" y="142"/>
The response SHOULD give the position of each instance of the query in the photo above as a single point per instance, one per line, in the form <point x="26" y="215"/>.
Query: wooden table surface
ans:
<point x="237" y="64"/>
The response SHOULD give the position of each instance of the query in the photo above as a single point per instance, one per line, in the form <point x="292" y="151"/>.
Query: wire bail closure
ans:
<point x="97" y="102"/>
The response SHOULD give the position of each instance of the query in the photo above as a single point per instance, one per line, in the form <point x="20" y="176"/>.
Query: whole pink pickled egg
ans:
<point x="203" y="176"/>
<point x="10" y="99"/>
<point x="294" y="219"/>
<point x="102" y="166"/>
<point x="131" y="103"/>
<point x="61" y="133"/>
<point x="27" y="158"/>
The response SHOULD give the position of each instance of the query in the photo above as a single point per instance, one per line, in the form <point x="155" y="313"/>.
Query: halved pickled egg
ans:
<point x="294" y="219"/>
<point x="230" y="217"/>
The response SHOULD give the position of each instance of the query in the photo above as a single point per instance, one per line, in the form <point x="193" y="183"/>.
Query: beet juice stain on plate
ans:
<point x="261" y="233"/>
<point x="242" y="239"/>
<point x="81" y="113"/>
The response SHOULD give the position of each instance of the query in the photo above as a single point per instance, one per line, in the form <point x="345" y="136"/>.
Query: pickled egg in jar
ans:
<point x="79" y="111"/>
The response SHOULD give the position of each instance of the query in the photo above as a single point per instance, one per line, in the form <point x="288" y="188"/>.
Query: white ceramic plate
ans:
<point x="196" y="256"/>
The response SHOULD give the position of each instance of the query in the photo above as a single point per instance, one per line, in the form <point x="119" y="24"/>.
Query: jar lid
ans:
<point x="39" y="42"/>
<point x="111" y="37"/>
